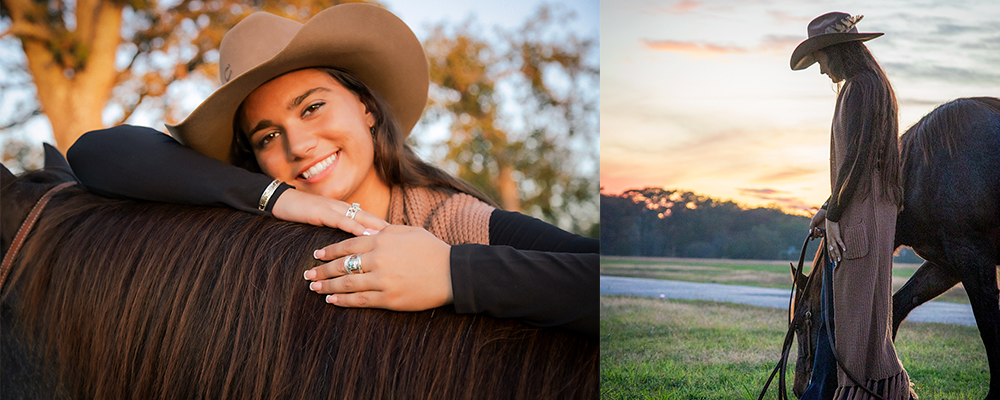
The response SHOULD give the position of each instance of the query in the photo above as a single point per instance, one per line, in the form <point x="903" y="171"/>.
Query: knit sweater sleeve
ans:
<point x="858" y="131"/>
<point x="145" y="164"/>
<point x="531" y="271"/>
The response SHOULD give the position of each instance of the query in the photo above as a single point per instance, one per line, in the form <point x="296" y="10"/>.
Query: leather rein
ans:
<point x="26" y="226"/>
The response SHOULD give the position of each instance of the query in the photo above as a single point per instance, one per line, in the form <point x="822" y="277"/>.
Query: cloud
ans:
<point x="986" y="44"/>
<point x="783" y="43"/>
<point x="785" y="175"/>
<point x="692" y="47"/>
<point x="770" y="43"/>
<point x="783" y="18"/>
<point x="924" y="72"/>
<point x="760" y="192"/>
<point x="680" y="8"/>
<point x="776" y="196"/>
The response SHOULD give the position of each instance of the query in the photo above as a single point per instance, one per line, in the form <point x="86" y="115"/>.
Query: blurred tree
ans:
<point x="16" y="151"/>
<point x="522" y="116"/>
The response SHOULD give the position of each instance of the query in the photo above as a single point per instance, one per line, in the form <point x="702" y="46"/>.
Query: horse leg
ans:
<point x="930" y="281"/>
<point x="979" y="275"/>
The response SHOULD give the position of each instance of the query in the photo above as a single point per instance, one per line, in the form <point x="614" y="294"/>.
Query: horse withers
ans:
<point x="113" y="298"/>
<point x="950" y="217"/>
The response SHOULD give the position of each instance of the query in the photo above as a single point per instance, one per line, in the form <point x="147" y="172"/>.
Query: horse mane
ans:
<point x="125" y="299"/>
<point x="944" y="128"/>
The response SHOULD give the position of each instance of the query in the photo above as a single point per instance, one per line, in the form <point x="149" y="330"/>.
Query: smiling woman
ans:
<point x="310" y="125"/>
<point x="307" y="126"/>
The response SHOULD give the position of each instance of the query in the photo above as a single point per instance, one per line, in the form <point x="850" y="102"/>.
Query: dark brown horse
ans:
<point x="950" y="217"/>
<point x="122" y="299"/>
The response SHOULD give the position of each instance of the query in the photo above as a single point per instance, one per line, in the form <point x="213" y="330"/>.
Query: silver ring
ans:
<point x="352" y="264"/>
<point x="353" y="210"/>
<point x="830" y="248"/>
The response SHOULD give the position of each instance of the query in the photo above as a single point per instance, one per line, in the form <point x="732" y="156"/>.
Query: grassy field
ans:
<point x="681" y="349"/>
<point x="774" y="274"/>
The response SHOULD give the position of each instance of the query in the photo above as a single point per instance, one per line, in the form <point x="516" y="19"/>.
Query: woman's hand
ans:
<point x="835" y="244"/>
<point x="818" y="220"/>
<point x="404" y="269"/>
<point x="298" y="206"/>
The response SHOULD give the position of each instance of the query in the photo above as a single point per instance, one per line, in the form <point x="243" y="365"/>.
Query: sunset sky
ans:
<point x="698" y="95"/>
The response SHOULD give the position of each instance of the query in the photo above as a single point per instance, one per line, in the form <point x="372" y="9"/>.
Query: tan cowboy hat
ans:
<point x="826" y="30"/>
<point x="366" y="41"/>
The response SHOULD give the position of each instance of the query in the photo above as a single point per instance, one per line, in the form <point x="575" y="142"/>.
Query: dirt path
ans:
<point x="933" y="311"/>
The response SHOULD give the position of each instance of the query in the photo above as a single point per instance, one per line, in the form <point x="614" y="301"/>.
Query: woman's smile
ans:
<point x="320" y="170"/>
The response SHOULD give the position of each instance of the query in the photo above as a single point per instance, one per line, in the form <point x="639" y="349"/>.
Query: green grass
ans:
<point x="681" y="349"/>
<point x="773" y="274"/>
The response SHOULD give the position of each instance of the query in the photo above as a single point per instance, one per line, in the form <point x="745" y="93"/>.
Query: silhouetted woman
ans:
<point x="860" y="216"/>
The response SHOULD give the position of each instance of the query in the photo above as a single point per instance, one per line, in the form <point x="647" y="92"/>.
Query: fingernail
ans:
<point x="331" y="298"/>
<point x="315" y="286"/>
<point x="310" y="275"/>
<point x="319" y="254"/>
<point x="369" y="232"/>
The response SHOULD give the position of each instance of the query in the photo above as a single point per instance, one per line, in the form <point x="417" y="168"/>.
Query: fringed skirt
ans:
<point x="893" y="388"/>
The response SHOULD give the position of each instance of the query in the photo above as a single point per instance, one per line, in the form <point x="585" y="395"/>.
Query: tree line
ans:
<point x="657" y="222"/>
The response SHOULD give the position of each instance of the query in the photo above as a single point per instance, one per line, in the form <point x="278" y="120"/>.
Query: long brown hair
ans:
<point x="395" y="161"/>
<point x="875" y="115"/>
<point x="125" y="299"/>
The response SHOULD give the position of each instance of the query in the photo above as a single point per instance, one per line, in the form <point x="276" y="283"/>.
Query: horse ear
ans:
<point x="54" y="161"/>
<point x="798" y="277"/>
<point x="6" y="177"/>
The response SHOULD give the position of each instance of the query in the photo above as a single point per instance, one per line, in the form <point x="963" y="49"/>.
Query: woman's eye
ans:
<point x="266" y="139"/>
<point x="312" y="108"/>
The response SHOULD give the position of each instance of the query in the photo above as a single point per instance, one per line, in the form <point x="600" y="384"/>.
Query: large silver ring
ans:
<point x="831" y="248"/>
<point x="353" y="210"/>
<point x="352" y="264"/>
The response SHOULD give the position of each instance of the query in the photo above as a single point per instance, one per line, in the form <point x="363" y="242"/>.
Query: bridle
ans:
<point x="794" y="299"/>
<point x="22" y="232"/>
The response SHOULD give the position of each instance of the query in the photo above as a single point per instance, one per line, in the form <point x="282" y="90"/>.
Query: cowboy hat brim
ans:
<point x="802" y="56"/>
<point x="366" y="41"/>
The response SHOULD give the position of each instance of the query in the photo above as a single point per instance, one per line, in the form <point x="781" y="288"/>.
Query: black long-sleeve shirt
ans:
<point x="531" y="271"/>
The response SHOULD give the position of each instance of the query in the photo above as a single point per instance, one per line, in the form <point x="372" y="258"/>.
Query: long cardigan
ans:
<point x="863" y="279"/>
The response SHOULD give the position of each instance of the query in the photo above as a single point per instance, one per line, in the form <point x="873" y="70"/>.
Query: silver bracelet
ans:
<point x="266" y="196"/>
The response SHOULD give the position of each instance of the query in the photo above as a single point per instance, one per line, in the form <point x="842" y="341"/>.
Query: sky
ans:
<point x="698" y="95"/>
<point x="508" y="14"/>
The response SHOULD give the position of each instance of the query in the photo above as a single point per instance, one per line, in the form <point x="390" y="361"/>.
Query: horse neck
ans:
<point x="140" y="299"/>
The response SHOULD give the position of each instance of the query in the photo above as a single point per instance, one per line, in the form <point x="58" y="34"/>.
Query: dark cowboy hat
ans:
<point x="366" y="41"/>
<point x="826" y="30"/>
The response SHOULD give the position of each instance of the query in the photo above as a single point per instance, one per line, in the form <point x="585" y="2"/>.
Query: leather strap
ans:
<point x="22" y="233"/>
<point x="794" y="298"/>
